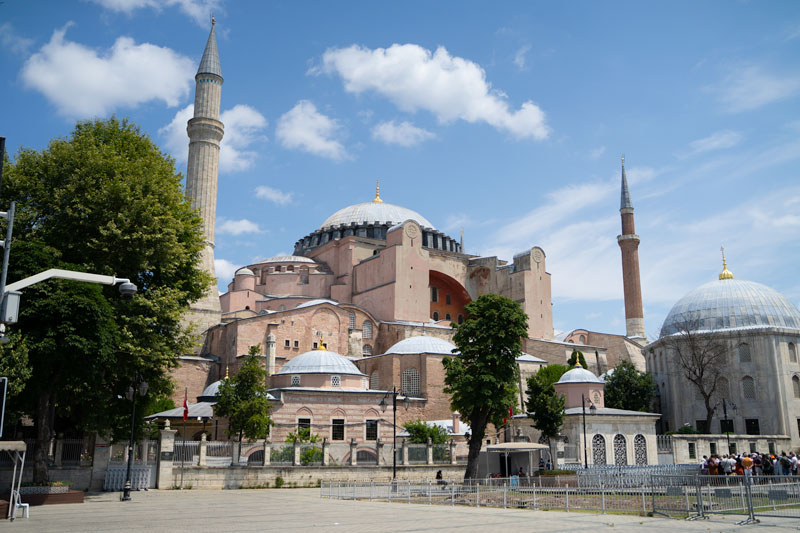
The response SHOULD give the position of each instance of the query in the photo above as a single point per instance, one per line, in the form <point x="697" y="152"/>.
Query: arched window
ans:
<point x="375" y="380"/>
<point x="410" y="382"/>
<point x="447" y="316"/>
<point x="620" y="450"/>
<point x="436" y="316"/>
<point x="748" y="388"/>
<point x="744" y="353"/>
<point x="290" y="268"/>
<point x="366" y="330"/>
<point x="598" y="450"/>
<point x="640" y="450"/>
<point x="366" y="350"/>
<point x="582" y="339"/>
<point x="352" y="320"/>
<point x="295" y="381"/>
<point x="796" y="386"/>
<point x="792" y="353"/>
<point x="723" y="388"/>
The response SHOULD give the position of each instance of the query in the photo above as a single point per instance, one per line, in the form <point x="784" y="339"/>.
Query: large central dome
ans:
<point x="372" y="212"/>
<point x="731" y="303"/>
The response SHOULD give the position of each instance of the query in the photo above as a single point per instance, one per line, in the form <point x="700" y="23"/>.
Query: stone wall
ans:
<point x="681" y="449"/>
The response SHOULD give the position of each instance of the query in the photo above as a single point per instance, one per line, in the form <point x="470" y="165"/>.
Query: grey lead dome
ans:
<point x="371" y="212"/>
<point x="731" y="304"/>
<point x="320" y="362"/>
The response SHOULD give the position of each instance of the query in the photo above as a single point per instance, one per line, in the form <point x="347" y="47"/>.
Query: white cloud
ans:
<point x="274" y="195"/>
<point x="305" y="128"/>
<point x="748" y="88"/>
<point x="10" y="39"/>
<point x="82" y="82"/>
<point x="237" y="227"/>
<point x="597" y="152"/>
<point x="452" y="88"/>
<point x="519" y="57"/>
<point x="224" y="269"/>
<point x="199" y="10"/>
<point x="243" y="126"/>
<point x="716" y="141"/>
<point x="404" y="133"/>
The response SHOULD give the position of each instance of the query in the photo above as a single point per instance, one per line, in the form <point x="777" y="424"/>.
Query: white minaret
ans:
<point x="205" y="133"/>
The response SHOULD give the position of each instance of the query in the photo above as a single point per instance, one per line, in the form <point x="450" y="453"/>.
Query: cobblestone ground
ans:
<point x="304" y="510"/>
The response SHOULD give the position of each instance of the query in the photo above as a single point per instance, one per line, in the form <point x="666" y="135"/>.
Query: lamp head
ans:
<point x="383" y="404"/>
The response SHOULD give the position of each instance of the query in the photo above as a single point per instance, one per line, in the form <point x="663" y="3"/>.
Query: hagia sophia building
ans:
<point x="366" y="304"/>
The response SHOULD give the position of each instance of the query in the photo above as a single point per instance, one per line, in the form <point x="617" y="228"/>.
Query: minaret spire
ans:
<point x="377" y="199"/>
<point x="629" y="245"/>
<point x="205" y="133"/>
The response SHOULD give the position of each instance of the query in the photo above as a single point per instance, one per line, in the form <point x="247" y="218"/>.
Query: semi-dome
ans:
<point x="371" y="212"/>
<point x="212" y="390"/>
<point x="320" y="362"/>
<point x="579" y="375"/>
<point x="729" y="303"/>
<point x="244" y="271"/>
<point x="285" y="259"/>
<point x="422" y="344"/>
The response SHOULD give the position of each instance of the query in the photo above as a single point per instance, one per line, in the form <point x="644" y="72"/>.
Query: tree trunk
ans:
<point x="475" y="442"/>
<point x="709" y="416"/>
<point x="45" y="418"/>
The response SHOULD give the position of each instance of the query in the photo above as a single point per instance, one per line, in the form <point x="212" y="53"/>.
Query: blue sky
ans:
<point x="506" y="119"/>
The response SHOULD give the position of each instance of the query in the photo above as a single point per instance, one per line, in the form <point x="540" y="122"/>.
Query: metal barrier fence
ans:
<point x="630" y="476"/>
<point x="676" y="496"/>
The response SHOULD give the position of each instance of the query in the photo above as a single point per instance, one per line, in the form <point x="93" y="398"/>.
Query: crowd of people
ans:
<point x="756" y="464"/>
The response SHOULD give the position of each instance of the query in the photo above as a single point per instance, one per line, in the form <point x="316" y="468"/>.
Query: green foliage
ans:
<point x="481" y="379"/>
<point x="550" y="374"/>
<point x="302" y="436"/>
<point x="687" y="430"/>
<point x="14" y="365"/>
<point x="311" y="455"/>
<point x="278" y="482"/>
<point x="576" y="357"/>
<point x="283" y="455"/>
<point x="243" y="399"/>
<point x="420" y="431"/>
<point x="627" y="388"/>
<point x="104" y="200"/>
<point x="545" y="407"/>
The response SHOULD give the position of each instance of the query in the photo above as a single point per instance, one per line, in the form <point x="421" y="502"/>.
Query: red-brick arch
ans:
<point x="443" y="286"/>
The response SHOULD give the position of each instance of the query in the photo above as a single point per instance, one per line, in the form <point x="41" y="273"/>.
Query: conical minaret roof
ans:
<point x="625" y="196"/>
<point x="210" y="62"/>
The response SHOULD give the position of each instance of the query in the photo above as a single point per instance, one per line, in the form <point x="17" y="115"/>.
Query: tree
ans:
<point x="576" y="357"/>
<point x="481" y="379"/>
<point x="420" y="431"/>
<point x="545" y="407"/>
<point x="699" y="356"/>
<point x="243" y="399"/>
<point x="627" y="388"/>
<point x="106" y="201"/>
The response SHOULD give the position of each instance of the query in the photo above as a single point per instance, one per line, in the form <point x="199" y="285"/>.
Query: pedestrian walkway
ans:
<point x="304" y="510"/>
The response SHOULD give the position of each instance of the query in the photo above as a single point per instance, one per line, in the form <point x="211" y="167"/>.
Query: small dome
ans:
<point x="285" y="259"/>
<point x="372" y="212"/>
<point x="731" y="303"/>
<point x="579" y="375"/>
<point x="244" y="271"/>
<point x="320" y="362"/>
<point x="209" y="393"/>
<point x="422" y="344"/>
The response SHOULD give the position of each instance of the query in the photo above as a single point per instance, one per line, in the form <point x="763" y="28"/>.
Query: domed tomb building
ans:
<point x="756" y="331"/>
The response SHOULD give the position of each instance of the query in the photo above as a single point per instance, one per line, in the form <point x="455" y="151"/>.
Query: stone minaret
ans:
<point x="629" y="243"/>
<point x="205" y="133"/>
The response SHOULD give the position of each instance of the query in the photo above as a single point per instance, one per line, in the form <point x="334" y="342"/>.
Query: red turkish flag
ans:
<point x="185" y="404"/>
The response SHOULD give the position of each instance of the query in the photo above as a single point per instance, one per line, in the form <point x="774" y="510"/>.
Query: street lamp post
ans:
<point x="394" y="392"/>
<point x="725" y="413"/>
<point x="141" y="388"/>
<point x="592" y="410"/>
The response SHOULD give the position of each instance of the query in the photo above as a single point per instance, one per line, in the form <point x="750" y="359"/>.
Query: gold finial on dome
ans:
<point x="623" y="160"/>
<point x="377" y="199"/>
<point x="725" y="274"/>
<point x="226" y="370"/>
<point x="322" y="344"/>
<point x="212" y="20"/>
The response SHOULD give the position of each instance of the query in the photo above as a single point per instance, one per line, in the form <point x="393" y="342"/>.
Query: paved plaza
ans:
<point x="304" y="510"/>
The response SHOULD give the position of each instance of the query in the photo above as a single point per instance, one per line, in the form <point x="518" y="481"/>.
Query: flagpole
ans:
<point x="185" y="414"/>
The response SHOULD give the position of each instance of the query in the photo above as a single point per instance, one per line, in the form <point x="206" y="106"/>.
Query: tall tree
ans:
<point x="243" y="399"/>
<point x="700" y="356"/>
<point x="627" y="388"/>
<point x="420" y="431"/>
<point x="576" y="357"/>
<point x="545" y="407"/>
<point x="104" y="200"/>
<point x="482" y="377"/>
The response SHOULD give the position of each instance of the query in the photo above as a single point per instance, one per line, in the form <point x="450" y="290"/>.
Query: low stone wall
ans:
<point x="80" y="476"/>
<point x="242" y="477"/>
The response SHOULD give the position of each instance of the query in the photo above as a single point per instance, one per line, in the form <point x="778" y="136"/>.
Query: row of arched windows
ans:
<point x="409" y="382"/>
<point x="748" y="388"/>
<point x="620" y="450"/>
<point x="366" y="326"/>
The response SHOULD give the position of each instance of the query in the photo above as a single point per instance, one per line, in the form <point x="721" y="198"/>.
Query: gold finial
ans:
<point x="322" y="344"/>
<point x="226" y="370"/>
<point x="623" y="160"/>
<point x="377" y="199"/>
<point x="212" y="20"/>
<point x="578" y="364"/>
<point x="725" y="274"/>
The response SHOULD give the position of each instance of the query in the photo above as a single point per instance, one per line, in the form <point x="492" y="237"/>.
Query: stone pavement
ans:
<point x="304" y="510"/>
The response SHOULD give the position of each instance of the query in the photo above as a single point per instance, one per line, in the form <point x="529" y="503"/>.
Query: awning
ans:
<point x="12" y="446"/>
<point x="196" y="410"/>
<point x="511" y="447"/>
